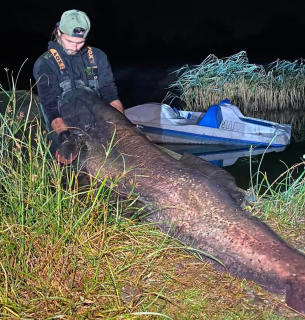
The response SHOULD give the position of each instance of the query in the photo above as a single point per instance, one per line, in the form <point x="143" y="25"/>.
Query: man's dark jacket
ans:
<point x="48" y="76"/>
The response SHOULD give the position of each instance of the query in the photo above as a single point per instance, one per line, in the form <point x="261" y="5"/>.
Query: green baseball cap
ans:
<point x="72" y="19"/>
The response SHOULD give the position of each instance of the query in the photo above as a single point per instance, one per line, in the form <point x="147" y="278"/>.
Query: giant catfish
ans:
<point x="185" y="203"/>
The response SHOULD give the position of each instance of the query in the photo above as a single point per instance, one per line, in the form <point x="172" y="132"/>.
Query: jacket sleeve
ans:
<point x="48" y="88"/>
<point x="107" y="87"/>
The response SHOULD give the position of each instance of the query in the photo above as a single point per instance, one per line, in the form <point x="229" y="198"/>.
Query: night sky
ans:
<point x="144" y="39"/>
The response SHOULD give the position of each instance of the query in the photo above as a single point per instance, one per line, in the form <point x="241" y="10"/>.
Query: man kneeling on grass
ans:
<point x="69" y="64"/>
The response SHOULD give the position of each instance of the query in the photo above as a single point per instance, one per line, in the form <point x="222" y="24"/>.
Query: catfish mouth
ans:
<point x="71" y="149"/>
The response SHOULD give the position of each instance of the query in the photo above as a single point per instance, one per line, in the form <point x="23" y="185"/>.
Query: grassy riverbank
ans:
<point x="69" y="253"/>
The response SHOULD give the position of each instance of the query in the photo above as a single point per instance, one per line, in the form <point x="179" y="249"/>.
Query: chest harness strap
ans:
<point x="63" y="70"/>
<point x="92" y="63"/>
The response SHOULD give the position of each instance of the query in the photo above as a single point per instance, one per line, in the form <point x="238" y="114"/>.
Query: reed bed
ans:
<point x="253" y="88"/>
<point x="71" y="253"/>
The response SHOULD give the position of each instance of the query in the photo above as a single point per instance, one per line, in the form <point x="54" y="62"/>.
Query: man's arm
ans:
<point x="107" y="87"/>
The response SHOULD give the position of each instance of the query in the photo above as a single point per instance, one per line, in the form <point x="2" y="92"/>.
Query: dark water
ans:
<point x="274" y="162"/>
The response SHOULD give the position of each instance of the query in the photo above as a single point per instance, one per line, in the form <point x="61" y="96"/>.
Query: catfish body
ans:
<point x="189" y="205"/>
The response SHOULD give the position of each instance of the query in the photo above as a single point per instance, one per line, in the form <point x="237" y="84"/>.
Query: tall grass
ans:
<point x="70" y="253"/>
<point x="283" y="200"/>
<point x="61" y="243"/>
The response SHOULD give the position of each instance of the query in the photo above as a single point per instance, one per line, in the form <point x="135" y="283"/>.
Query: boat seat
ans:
<point x="167" y="112"/>
<point x="212" y="118"/>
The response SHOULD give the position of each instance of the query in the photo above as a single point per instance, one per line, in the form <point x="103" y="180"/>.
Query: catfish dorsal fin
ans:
<point x="221" y="176"/>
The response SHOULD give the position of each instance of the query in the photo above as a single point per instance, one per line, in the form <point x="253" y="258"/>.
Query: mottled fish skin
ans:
<point x="194" y="208"/>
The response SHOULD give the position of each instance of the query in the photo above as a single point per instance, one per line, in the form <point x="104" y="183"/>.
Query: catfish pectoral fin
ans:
<point x="219" y="175"/>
